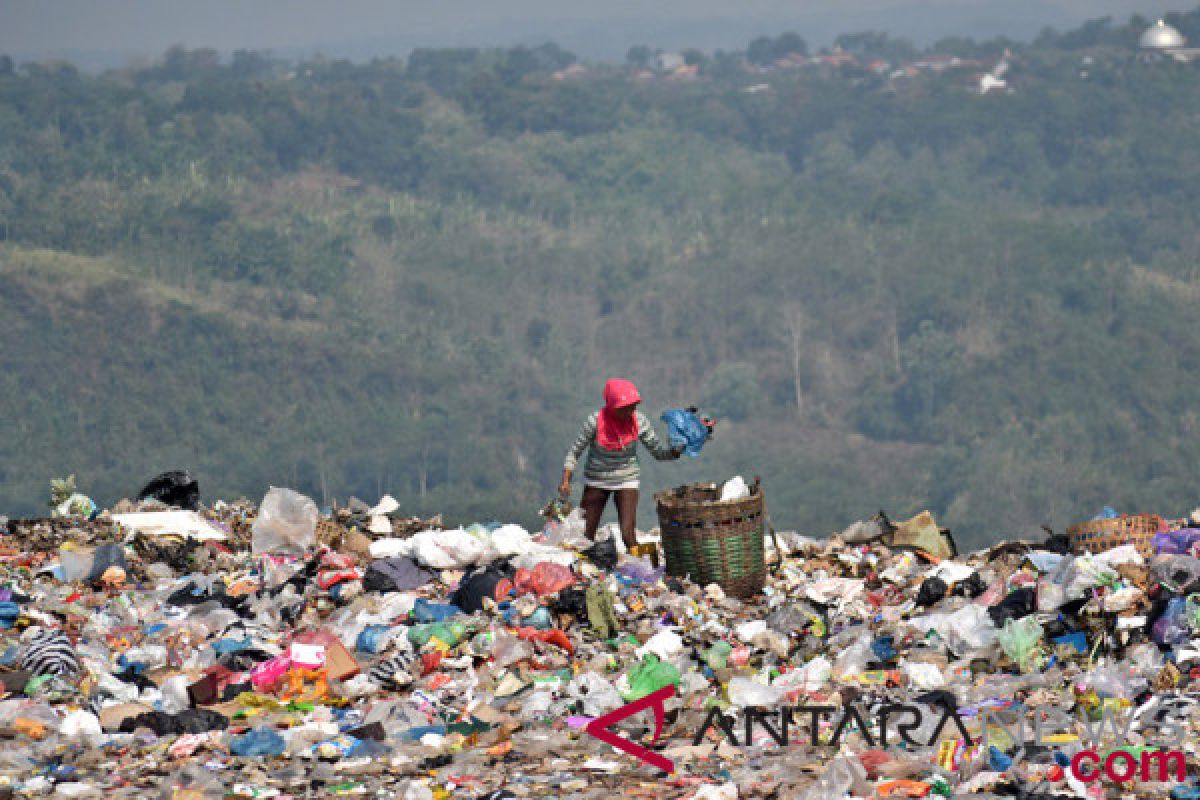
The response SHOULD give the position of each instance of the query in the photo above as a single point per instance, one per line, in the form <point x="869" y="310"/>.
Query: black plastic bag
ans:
<point x="931" y="591"/>
<point x="972" y="587"/>
<point x="570" y="601"/>
<point x="175" y="488"/>
<point x="603" y="554"/>
<point x="193" y="720"/>
<point x="1020" y="603"/>
<point x="476" y="586"/>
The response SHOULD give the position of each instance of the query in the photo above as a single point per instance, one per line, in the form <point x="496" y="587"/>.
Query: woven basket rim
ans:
<point x="669" y="497"/>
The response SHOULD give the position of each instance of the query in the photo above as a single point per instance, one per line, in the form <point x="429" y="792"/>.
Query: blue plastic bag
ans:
<point x="686" y="430"/>
<point x="258" y="742"/>
<point x="373" y="639"/>
<point x="425" y="611"/>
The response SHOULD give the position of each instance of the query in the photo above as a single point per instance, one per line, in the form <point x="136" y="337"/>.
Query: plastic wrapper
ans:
<point x="286" y="523"/>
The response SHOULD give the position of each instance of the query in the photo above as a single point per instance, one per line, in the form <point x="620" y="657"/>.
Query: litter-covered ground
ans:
<point x="156" y="651"/>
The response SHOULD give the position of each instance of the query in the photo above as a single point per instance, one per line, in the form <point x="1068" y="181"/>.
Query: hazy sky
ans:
<point x="108" y="32"/>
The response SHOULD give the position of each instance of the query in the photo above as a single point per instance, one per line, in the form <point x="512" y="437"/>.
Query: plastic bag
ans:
<point x="969" y="628"/>
<point x="649" y="676"/>
<point x="748" y="693"/>
<point x="1178" y="573"/>
<point x="665" y="644"/>
<point x="1019" y="638"/>
<point x="1172" y="627"/>
<point x="853" y="660"/>
<point x="595" y="695"/>
<point x="545" y="578"/>
<point x="449" y="633"/>
<point x="844" y="775"/>
<point x="453" y="549"/>
<point x="735" y="489"/>
<point x="568" y="533"/>
<point x="175" y="488"/>
<point x="1016" y="605"/>
<point x="931" y="591"/>
<point x="425" y="611"/>
<point x="686" y="429"/>
<point x="604" y="552"/>
<point x="258" y="742"/>
<point x="1050" y="596"/>
<point x="510" y="540"/>
<point x="717" y="656"/>
<point x="1180" y="542"/>
<point x="287" y="522"/>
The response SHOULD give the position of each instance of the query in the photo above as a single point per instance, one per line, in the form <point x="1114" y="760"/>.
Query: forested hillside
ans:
<point x="413" y="276"/>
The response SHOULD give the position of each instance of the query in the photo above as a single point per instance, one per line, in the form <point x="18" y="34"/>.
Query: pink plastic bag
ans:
<point x="267" y="675"/>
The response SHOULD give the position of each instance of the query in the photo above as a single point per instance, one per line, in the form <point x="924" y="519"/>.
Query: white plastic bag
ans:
<point x="747" y="693"/>
<point x="853" y="660"/>
<point x="969" y="628"/>
<point x="735" y="489"/>
<point x="922" y="675"/>
<point x="80" y="724"/>
<point x="595" y="694"/>
<point x="726" y="791"/>
<point x="454" y="549"/>
<point x="511" y="540"/>
<point x="665" y="644"/>
<point x="286" y="522"/>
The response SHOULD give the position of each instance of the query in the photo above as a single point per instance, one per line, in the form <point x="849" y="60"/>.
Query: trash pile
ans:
<point x="160" y="648"/>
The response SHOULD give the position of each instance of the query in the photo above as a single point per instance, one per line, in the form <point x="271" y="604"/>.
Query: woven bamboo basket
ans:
<point x="714" y="542"/>
<point x="1098" y="535"/>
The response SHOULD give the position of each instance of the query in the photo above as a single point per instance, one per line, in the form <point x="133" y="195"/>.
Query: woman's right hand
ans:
<point x="564" y="486"/>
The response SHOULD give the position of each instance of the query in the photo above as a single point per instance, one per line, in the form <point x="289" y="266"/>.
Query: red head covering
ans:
<point x="613" y="433"/>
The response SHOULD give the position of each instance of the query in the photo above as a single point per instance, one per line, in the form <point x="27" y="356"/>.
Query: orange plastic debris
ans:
<point x="903" y="788"/>
<point x="30" y="727"/>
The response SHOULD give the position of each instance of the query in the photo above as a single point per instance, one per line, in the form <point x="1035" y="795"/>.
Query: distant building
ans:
<point x="1161" y="41"/>
<point x="939" y="63"/>
<point x="669" y="62"/>
<point x="684" y="72"/>
<point x="574" y="71"/>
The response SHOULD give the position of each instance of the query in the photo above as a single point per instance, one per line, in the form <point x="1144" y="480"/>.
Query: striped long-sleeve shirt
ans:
<point x="614" y="466"/>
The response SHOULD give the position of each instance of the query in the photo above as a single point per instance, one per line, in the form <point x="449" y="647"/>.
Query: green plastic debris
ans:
<point x="650" y="676"/>
<point x="36" y="683"/>
<point x="717" y="656"/>
<point x="1192" y="611"/>
<point x="1019" y="639"/>
<point x="468" y="728"/>
<point x="451" y="633"/>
